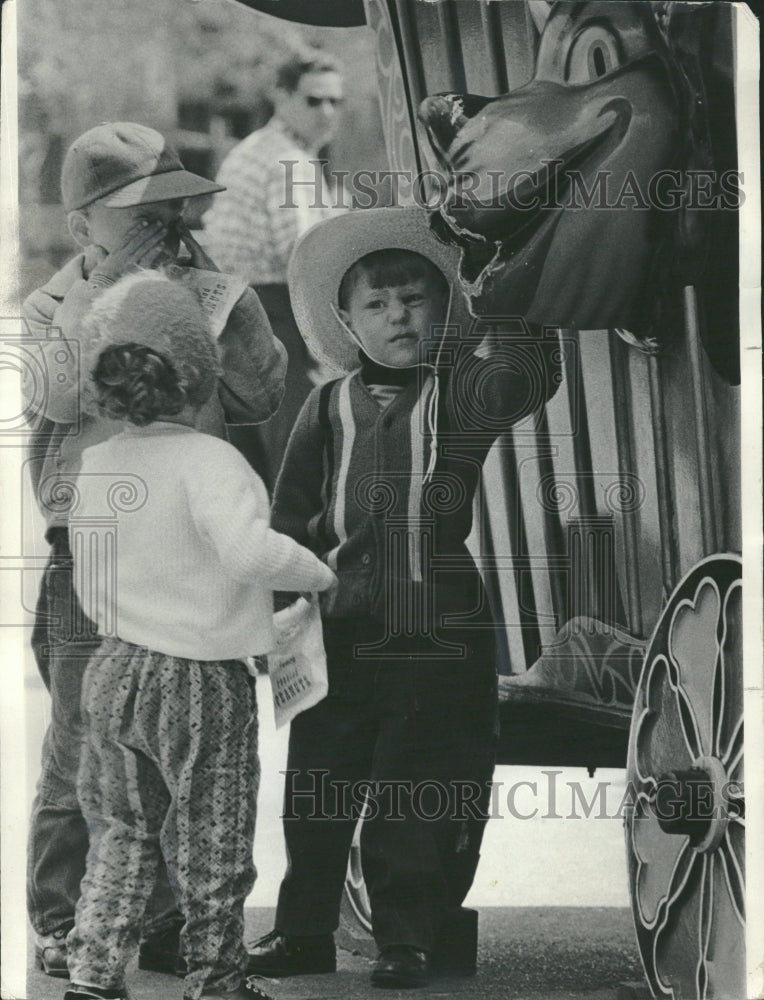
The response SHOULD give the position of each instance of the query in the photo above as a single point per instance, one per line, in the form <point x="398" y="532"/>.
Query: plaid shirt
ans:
<point x="252" y="225"/>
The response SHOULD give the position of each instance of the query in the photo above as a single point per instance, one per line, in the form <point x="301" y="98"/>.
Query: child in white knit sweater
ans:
<point x="169" y="762"/>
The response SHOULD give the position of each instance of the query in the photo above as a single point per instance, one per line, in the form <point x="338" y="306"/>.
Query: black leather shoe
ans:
<point x="279" y="954"/>
<point x="161" y="953"/>
<point x="50" y="954"/>
<point x="76" y="992"/>
<point x="401" y="967"/>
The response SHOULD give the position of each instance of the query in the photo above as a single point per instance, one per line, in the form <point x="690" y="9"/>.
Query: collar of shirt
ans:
<point x="373" y="373"/>
<point x="157" y="427"/>
<point x="286" y="130"/>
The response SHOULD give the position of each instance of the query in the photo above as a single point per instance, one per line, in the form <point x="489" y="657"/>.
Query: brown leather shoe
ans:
<point x="50" y="954"/>
<point x="279" y="954"/>
<point x="401" y="967"/>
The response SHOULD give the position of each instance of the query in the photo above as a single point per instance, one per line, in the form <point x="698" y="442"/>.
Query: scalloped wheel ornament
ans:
<point x="685" y="819"/>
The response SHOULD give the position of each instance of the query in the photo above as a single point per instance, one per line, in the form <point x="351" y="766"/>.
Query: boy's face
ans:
<point x="108" y="227"/>
<point x="392" y="321"/>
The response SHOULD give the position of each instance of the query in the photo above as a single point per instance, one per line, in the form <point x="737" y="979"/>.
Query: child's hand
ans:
<point x="199" y="257"/>
<point x="142" y="248"/>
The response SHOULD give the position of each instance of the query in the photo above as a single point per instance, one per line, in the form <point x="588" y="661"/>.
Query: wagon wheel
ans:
<point x="685" y="817"/>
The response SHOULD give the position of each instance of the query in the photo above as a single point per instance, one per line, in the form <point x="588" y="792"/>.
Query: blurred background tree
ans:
<point x="199" y="72"/>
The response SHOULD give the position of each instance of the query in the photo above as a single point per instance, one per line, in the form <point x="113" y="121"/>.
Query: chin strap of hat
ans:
<point x="434" y="398"/>
<point x="432" y="405"/>
<point x="432" y="423"/>
<point x="347" y="329"/>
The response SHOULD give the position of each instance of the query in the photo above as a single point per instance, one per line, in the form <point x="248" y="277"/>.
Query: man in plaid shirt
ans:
<point x="274" y="192"/>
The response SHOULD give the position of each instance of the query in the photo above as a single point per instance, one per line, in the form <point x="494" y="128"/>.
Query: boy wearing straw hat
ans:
<point x="378" y="480"/>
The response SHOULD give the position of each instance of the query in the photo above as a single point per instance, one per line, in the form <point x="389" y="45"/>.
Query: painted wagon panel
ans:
<point x="638" y="420"/>
<point x="617" y="507"/>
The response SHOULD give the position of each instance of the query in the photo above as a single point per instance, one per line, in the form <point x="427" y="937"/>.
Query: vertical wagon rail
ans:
<point x="490" y="574"/>
<point x="708" y="509"/>
<point x="494" y="46"/>
<point x="625" y="455"/>
<point x="592" y="579"/>
<point x="579" y="422"/>
<point x="666" y="505"/>
<point x="518" y="538"/>
<point x="554" y="539"/>
<point x="413" y="58"/>
<point x="449" y="27"/>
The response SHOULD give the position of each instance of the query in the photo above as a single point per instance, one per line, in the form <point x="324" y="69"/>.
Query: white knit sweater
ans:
<point x="196" y="560"/>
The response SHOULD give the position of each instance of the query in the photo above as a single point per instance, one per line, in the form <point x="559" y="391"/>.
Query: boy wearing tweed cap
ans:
<point x="124" y="189"/>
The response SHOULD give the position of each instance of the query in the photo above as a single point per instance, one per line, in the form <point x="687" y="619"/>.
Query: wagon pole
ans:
<point x="708" y="510"/>
<point x="624" y="450"/>
<point x="666" y="505"/>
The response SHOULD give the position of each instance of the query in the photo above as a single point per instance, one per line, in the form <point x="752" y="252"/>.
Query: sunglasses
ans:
<point x="313" y="102"/>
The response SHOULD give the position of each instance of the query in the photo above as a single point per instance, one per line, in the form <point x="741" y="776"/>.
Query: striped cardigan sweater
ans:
<point x="353" y="486"/>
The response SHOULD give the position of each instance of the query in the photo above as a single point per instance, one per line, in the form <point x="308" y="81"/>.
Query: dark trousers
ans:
<point x="418" y="735"/>
<point x="63" y="640"/>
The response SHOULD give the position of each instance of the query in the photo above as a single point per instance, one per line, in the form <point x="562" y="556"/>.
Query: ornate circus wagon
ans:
<point x="610" y="524"/>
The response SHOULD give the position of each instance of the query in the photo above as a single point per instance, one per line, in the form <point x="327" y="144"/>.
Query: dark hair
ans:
<point x="294" y="68"/>
<point x="389" y="268"/>
<point x="138" y="384"/>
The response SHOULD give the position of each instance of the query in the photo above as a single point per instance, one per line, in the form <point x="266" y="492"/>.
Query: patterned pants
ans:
<point x="63" y="640"/>
<point x="169" y="768"/>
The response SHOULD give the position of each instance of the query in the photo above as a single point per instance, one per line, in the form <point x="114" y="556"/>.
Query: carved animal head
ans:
<point x="573" y="198"/>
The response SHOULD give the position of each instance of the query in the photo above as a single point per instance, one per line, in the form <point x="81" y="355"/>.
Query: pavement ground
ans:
<point x="525" y="953"/>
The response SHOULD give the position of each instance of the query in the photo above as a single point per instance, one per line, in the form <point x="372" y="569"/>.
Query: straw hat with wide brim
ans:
<point x="323" y="255"/>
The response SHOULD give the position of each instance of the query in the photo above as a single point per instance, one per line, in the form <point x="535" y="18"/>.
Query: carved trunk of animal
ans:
<point x="590" y="196"/>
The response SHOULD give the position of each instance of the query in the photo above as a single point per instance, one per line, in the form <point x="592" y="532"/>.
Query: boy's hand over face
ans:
<point x="142" y="247"/>
<point x="199" y="258"/>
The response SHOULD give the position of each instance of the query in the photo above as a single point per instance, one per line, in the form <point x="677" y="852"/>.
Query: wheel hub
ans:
<point x="698" y="803"/>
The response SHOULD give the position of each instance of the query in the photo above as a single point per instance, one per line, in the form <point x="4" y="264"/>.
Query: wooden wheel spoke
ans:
<point x="662" y="867"/>
<point x="728" y="701"/>
<point x="689" y="724"/>
<point x="705" y="913"/>
<point x="675" y="952"/>
<point x="666" y="737"/>
<point x="693" y="647"/>
<point x="724" y="941"/>
<point x="732" y="856"/>
<point x="733" y="758"/>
